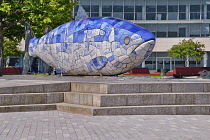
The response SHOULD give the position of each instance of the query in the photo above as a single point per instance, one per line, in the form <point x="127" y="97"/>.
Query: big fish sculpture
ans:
<point x="94" y="46"/>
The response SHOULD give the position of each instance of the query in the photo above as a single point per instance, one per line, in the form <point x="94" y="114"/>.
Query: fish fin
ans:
<point x="27" y="60"/>
<point x="47" y="68"/>
<point x="99" y="62"/>
<point x="47" y="29"/>
<point x="81" y="13"/>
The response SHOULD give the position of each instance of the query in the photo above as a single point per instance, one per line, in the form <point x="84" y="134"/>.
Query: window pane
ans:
<point x="118" y="14"/>
<point x="208" y="7"/>
<point x="194" y="15"/>
<point x="86" y="8"/>
<point x="172" y="15"/>
<point x="150" y="16"/>
<point x="194" y="30"/>
<point x="138" y="16"/>
<point x="205" y="30"/>
<point x="172" y="30"/>
<point x="106" y="8"/>
<point x="106" y="14"/>
<point x="182" y="16"/>
<point x="161" y="16"/>
<point x="182" y="32"/>
<point x="150" y="9"/>
<point x="94" y="8"/>
<point x="94" y="14"/>
<point x="117" y="8"/>
<point x="172" y="8"/>
<point x="129" y="16"/>
<point x="182" y="8"/>
<point x="161" y="34"/>
<point x="128" y="8"/>
<point x="194" y="8"/>
<point x="138" y="8"/>
<point x="208" y="15"/>
<point x="161" y="8"/>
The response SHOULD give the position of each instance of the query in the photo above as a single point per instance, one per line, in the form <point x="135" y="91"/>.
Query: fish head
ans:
<point x="136" y="43"/>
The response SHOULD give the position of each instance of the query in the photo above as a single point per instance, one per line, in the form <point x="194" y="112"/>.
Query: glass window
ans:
<point x="86" y="8"/>
<point x="138" y="8"/>
<point x="152" y="28"/>
<point x="106" y="8"/>
<point x="106" y="14"/>
<point x="94" y="14"/>
<point x="172" y="30"/>
<point x="194" y="30"/>
<point x="161" y="16"/>
<point x="117" y="8"/>
<point x="162" y="30"/>
<point x="205" y="30"/>
<point x="94" y="8"/>
<point x="182" y="16"/>
<point x="173" y="8"/>
<point x="138" y="16"/>
<point x="128" y="16"/>
<point x="150" y="16"/>
<point x="118" y="14"/>
<point x="150" y="8"/>
<point x="194" y="15"/>
<point x="194" y="8"/>
<point x="161" y="8"/>
<point x="128" y="8"/>
<point x="182" y="8"/>
<point x="208" y="11"/>
<point x="182" y="31"/>
<point x="172" y="15"/>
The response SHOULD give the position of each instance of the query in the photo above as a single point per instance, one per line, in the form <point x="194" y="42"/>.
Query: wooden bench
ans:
<point x="139" y="71"/>
<point x="12" y="71"/>
<point x="179" y="72"/>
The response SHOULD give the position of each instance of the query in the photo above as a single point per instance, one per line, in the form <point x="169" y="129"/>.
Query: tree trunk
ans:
<point x="1" y="47"/>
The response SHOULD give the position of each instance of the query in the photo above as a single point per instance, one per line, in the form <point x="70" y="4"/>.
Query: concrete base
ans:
<point x="136" y="110"/>
<point x="163" y="98"/>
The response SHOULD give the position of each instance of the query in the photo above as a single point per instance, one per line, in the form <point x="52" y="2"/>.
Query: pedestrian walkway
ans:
<point x="56" y="125"/>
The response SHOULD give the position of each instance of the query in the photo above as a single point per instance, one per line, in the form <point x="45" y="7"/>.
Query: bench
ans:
<point x="179" y="72"/>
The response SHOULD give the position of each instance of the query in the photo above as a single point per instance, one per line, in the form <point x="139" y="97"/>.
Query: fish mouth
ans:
<point x="144" y="48"/>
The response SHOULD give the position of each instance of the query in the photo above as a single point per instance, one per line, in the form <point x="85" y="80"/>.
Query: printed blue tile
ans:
<point x="111" y="58"/>
<point x="89" y="67"/>
<point x="99" y="62"/>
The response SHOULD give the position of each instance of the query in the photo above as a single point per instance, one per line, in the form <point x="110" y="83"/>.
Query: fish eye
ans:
<point x="127" y="40"/>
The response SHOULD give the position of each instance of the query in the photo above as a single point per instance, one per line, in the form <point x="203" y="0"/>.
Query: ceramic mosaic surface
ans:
<point x="94" y="46"/>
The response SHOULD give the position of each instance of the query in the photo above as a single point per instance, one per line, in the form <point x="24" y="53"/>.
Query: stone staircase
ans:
<point x="32" y="97"/>
<point x="97" y="99"/>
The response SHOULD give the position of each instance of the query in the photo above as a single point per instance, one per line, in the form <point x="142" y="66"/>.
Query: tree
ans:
<point x="187" y="49"/>
<point x="38" y="13"/>
<point x="10" y="49"/>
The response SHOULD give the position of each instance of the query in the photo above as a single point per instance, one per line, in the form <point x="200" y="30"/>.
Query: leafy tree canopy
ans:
<point x="187" y="48"/>
<point x="38" y="13"/>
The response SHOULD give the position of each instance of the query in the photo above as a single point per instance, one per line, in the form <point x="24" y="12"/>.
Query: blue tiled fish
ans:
<point x="94" y="46"/>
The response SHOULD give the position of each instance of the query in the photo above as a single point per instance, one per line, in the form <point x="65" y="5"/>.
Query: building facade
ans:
<point x="169" y="20"/>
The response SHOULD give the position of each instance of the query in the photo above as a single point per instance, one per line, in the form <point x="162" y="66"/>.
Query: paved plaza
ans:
<point x="56" y="125"/>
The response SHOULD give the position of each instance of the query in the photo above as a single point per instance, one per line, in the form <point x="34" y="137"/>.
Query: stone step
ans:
<point x="136" y="99"/>
<point x="120" y="88"/>
<point x="31" y="98"/>
<point x="136" y="110"/>
<point x="26" y="108"/>
<point x="39" y="88"/>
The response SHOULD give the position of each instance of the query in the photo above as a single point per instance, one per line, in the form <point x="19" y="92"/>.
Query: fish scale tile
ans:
<point x="94" y="46"/>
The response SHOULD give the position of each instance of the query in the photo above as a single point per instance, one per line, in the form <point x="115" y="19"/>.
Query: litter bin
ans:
<point x="163" y="72"/>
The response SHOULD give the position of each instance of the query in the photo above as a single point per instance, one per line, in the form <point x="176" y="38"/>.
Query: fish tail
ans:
<point x="27" y="60"/>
